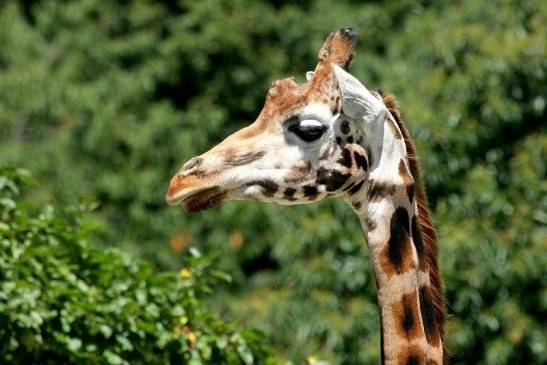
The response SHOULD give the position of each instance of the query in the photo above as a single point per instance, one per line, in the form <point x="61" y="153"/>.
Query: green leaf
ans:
<point x="112" y="358"/>
<point x="73" y="344"/>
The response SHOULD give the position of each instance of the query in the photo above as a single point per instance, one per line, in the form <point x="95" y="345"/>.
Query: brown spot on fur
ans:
<point x="371" y="226"/>
<point x="379" y="190"/>
<point x="269" y="188"/>
<point x="407" y="317"/>
<point x="397" y="255"/>
<point x="412" y="355"/>
<point x="310" y="192"/>
<point x="289" y="194"/>
<point x="344" y="127"/>
<point x="345" y="159"/>
<point x="361" y="160"/>
<point x="332" y="179"/>
<point x="357" y="205"/>
<point x="410" y="192"/>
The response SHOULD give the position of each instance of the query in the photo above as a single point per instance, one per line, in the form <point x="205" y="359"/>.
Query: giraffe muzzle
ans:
<point x="206" y="199"/>
<point x="192" y="194"/>
<point x="194" y="200"/>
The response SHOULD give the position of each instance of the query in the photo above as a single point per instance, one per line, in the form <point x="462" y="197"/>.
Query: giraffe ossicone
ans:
<point x="330" y="137"/>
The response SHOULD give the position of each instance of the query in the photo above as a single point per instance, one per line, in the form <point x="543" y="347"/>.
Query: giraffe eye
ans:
<point x="308" y="130"/>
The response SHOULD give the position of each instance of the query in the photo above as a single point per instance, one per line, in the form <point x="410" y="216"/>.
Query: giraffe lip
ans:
<point x="202" y="200"/>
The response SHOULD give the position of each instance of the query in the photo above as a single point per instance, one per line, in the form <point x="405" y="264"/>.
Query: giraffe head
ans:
<point x="309" y="141"/>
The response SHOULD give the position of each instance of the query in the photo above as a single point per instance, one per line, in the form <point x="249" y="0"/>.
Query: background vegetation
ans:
<point x="103" y="100"/>
<point x="64" y="302"/>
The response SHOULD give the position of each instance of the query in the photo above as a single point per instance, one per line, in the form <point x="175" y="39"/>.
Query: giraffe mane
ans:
<point x="428" y="233"/>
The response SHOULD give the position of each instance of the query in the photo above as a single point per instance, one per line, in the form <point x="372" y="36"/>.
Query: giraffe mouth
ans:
<point x="203" y="200"/>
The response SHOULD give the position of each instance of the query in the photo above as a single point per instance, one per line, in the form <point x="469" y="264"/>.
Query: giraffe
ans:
<point x="332" y="137"/>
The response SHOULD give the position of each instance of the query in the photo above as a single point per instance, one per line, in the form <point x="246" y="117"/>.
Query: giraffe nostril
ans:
<point x="190" y="164"/>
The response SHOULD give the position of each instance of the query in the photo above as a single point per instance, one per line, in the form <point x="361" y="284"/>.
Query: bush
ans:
<point x="62" y="301"/>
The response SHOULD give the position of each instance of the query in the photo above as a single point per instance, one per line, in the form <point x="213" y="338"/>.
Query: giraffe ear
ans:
<point x="357" y="101"/>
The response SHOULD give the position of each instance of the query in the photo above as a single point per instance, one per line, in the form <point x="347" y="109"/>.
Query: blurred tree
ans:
<point x="106" y="100"/>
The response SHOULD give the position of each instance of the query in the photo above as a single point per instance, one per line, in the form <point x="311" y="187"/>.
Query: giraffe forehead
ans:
<point x="286" y="95"/>
<point x="317" y="110"/>
<point x="283" y="96"/>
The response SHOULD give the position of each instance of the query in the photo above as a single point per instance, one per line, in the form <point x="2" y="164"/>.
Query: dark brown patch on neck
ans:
<point x="413" y="355"/>
<point x="379" y="190"/>
<point x="407" y="317"/>
<point x="371" y="226"/>
<point x="397" y="255"/>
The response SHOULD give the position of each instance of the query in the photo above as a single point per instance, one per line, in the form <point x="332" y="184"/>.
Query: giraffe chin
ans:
<point x="203" y="200"/>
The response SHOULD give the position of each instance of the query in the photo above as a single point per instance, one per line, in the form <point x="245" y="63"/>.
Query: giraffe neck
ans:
<point x="388" y="213"/>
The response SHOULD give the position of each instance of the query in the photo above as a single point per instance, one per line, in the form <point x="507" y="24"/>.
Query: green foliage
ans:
<point x="62" y="301"/>
<point x="106" y="99"/>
